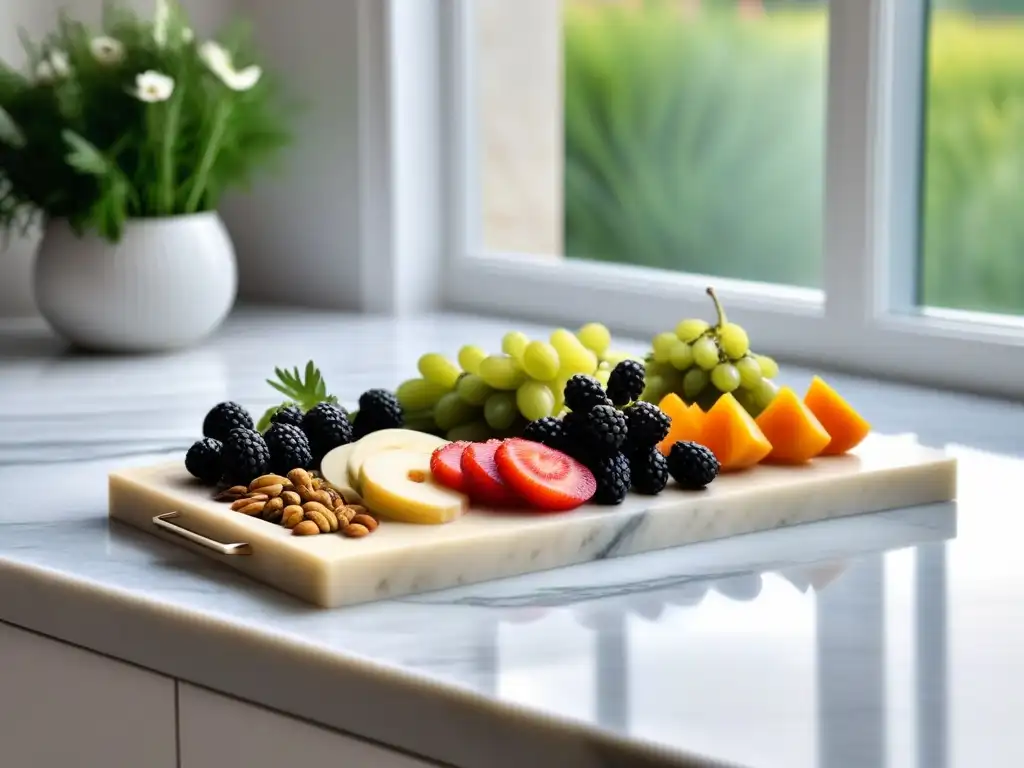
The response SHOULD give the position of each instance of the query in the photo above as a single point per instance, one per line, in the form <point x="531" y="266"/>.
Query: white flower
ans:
<point x="219" y="61"/>
<point x="161" y="20"/>
<point x="53" y="67"/>
<point x="152" y="87"/>
<point x="107" y="50"/>
<point x="187" y="35"/>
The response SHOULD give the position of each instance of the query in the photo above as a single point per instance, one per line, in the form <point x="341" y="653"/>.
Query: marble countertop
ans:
<point x="890" y="639"/>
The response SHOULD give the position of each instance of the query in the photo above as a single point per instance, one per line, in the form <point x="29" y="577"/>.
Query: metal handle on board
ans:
<point x="163" y="521"/>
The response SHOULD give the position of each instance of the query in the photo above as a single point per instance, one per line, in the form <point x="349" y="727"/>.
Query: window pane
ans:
<point x="679" y="134"/>
<point x="973" y="233"/>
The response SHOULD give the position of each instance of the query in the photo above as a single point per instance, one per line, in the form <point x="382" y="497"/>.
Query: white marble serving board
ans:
<point x="329" y="570"/>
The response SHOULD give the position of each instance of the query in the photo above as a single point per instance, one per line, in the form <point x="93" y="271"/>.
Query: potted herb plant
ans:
<point x="120" y="142"/>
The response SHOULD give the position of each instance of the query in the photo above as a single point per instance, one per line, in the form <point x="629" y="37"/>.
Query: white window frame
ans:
<point x="421" y="208"/>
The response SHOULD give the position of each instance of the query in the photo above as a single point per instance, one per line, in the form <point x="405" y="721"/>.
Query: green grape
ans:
<point x="602" y="375"/>
<point x="613" y="357"/>
<point x="513" y="343"/>
<point x="694" y="382"/>
<point x="655" y="388"/>
<point x="540" y="360"/>
<point x="419" y="394"/>
<point x="501" y="372"/>
<point x="769" y="368"/>
<point x="658" y="369"/>
<point x="705" y="353"/>
<point x="438" y="369"/>
<point x="725" y="377"/>
<point x="762" y="396"/>
<point x="451" y="411"/>
<point x="470" y="357"/>
<point x="733" y="340"/>
<point x="662" y="345"/>
<point x="473" y="389"/>
<point x="473" y="432"/>
<point x="535" y="400"/>
<point x="750" y="372"/>
<point x="690" y="330"/>
<point x="682" y="355"/>
<point x="500" y="410"/>
<point x="574" y="357"/>
<point x="595" y="337"/>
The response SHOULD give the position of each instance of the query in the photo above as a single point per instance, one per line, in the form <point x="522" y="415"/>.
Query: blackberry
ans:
<point x="288" y="414"/>
<point x="245" y="456"/>
<point x="203" y="460"/>
<point x="605" y="427"/>
<point x="692" y="465"/>
<point x="224" y="417"/>
<point x="327" y="426"/>
<point x="626" y="382"/>
<point x="289" y="448"/>
<point x="378" y="409"/>
<point x="547" y="431"/>
<point x="647" y="425"/>
<point x="648" y="469"/>
<point x="583" y="392"/>
<point x="613" y="478"/>
<point x="575" y="439"/>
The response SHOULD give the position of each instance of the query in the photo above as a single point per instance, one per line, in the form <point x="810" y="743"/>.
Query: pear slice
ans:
<point x="397" y="484"/>
<point x="334" y="466"/>
<point x="388" y="440"/>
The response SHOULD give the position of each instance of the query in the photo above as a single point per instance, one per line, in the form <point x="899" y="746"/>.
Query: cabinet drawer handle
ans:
<point x="163" y="521"/>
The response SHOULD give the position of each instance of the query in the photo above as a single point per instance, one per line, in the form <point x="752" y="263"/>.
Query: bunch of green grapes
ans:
<point x="480" y="395"/>
<point x="699" y="362"/>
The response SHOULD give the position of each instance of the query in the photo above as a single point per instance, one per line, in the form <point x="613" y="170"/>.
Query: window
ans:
<point x="849" y="174"/>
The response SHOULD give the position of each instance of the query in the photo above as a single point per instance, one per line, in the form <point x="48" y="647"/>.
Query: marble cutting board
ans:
<point x="329" y="570"/>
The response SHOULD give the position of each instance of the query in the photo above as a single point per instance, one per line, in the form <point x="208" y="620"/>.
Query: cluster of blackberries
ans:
<point x="234" y="452"/>
<point x="612" y="432"/>
<point x="617" y="436"/>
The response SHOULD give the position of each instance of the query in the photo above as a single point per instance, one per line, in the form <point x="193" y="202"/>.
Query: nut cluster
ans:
<point x="303" y="502"/>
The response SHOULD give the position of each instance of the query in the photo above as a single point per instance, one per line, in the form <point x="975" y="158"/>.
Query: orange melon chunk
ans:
<point x="795" y="433"/>
<point x="733" y="435"/>
<point x="687" y="422"/>
<point x="846" y="427"/>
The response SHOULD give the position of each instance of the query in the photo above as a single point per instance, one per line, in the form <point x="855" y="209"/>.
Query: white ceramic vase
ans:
<point x="167" y="284"/>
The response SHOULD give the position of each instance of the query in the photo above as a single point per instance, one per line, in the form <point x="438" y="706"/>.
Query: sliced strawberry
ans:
<point x="446" y="464"/>
<point x="548" y="479"/>
<point x="480" y="476"/>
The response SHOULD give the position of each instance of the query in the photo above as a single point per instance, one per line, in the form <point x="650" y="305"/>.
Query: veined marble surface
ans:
<point x="884" y="640"/>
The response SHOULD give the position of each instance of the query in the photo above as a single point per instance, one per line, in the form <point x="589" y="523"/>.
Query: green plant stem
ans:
<point x="220" y="121"/>
<point x="170" y="139"/>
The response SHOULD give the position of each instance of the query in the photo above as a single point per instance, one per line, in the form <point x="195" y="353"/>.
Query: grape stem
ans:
<point x="718" y="307"/>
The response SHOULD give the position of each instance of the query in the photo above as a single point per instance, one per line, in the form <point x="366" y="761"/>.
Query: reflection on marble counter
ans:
<point x="881" y="640"/>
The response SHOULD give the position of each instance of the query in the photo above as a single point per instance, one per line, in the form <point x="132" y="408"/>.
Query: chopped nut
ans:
<point x="306" y="528"/>
<point x="346" y="514"/>
<point x="334" y="496"/>
<point x="321" y="520"/>
<point x="355" y="531"/>
<point x="253" y="508"/>
<point x="265" y="480"/>
<point x="233" y="493"/>
<point x="323" y="497"/>
<point x="318" y="483"/>
<point x="246" y="501"/>
<point x="300" y="478"/>
<point x="292" y="516"/>
<point x="291" y="497"/>
<point x="356" y="509"/>
<point x="271" y="491"/>
<point x="272" y="511"/>
<point x="368" y="522"/>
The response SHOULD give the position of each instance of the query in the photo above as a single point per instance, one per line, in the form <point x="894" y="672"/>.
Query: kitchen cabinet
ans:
<point x="64" y="706"/>
<point x="216" y="730"/>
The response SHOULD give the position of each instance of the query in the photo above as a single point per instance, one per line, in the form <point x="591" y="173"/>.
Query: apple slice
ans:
<point x="388" y="440"/>
<point x="398" y="485"/>
<point x="334" y="469"/>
